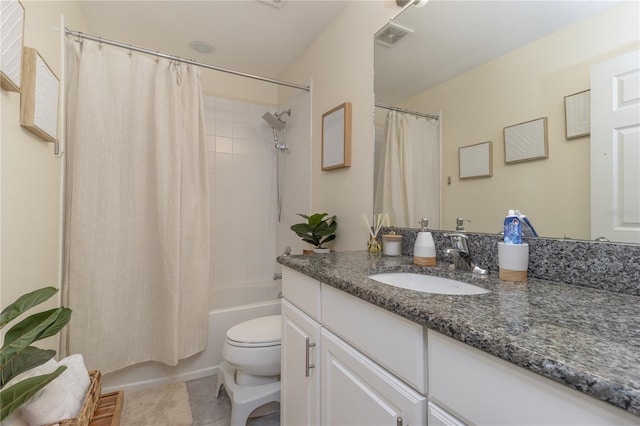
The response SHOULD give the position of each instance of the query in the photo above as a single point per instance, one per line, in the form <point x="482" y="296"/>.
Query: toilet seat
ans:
<point x="250" y="371"/>
<point x="256" y="333"/>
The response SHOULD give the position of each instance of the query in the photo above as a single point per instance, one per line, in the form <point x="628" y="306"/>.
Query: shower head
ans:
<point x="274" y="121"/>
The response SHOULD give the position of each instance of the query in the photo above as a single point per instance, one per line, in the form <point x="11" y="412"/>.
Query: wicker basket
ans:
<point x="91" y="399"/>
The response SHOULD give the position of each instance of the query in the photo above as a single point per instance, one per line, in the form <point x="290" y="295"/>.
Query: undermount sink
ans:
<point x="427" y="283"/>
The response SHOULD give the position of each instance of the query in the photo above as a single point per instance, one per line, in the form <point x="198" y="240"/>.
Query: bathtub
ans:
<point x="233" y="305"/>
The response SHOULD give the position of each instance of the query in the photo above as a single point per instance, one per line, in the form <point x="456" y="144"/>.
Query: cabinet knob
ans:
<point x="398" y="421"/>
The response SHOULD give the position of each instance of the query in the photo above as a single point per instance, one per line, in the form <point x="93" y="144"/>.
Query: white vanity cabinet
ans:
<point x="355" y="389"/>
<point x="300" y="354"/>
<point x="300" y="357"/>
<point x="374" y="367"/>
<point x="485" y="390"/>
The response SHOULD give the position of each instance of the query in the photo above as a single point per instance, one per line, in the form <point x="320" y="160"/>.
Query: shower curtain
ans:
<point x="408" y="172"/>
<point x="136" y="272"/>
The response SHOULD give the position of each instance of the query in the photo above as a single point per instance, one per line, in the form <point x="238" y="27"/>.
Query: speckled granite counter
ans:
<point x="584" y="338"/>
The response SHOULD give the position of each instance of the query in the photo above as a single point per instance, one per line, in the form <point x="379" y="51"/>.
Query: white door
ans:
<point x="300" y="383"/>
<point x="356" y="391"/>
<point x="615" y="149"/>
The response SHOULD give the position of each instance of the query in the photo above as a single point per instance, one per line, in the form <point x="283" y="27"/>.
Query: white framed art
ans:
<point x="476" y="160"/>
<point x="577" y="113"/>
<point x="39" y="97"/>
<point x="11" y="34"/>
<point x="526" y="141"/>
<point x="336" y="137"/>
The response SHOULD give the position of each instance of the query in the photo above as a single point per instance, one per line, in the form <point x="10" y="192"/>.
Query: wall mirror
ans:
<point x="486" y="65"/>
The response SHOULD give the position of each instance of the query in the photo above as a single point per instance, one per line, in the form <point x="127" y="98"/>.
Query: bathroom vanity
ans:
<point x="356" y="351"/>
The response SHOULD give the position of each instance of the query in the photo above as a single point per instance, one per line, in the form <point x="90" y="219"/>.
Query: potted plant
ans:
<point x="320" y="228"/>
<point x="17" y="355"/>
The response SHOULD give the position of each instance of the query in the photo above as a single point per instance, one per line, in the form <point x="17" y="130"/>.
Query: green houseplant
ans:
<point x="320" y="228"/>
<point x="17" y="355"/>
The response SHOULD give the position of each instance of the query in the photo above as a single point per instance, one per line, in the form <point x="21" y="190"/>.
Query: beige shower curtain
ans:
<point x="408" y="172"/>
<point x="137" y="209"/>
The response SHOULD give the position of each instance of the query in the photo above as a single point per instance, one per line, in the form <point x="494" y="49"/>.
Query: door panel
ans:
<point x="615" y="149"/>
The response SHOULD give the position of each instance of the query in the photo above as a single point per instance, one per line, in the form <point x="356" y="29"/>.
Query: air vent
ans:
<point x="391" y="34"/>
<point x="275" y="3"/>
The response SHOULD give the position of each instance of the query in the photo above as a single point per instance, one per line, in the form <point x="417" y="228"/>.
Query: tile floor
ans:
<point x="207" y="410"/>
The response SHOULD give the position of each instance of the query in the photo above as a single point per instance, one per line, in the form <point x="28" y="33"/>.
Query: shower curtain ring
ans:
<point x="157" y="56"/>
<point x="130" y="51"/>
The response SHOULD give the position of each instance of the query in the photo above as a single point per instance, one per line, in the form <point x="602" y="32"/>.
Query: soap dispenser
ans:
<point x="424" y="250"/>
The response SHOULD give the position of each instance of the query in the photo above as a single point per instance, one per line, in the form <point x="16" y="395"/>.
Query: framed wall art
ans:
<point x="11" y="34"/>
<point x="476" y="160"/>
<point x="39" y="98"/>
<point x="526" y="141"/>
<point x="577" y="112"/>
<point x="336" y="137"/>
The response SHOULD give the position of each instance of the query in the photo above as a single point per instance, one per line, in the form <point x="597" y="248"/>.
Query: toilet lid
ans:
<point x="259" y="330"/>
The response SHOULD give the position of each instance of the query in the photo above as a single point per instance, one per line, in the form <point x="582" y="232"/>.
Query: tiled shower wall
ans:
<point x="242" y="186"/>
<point x="297" y="173"/>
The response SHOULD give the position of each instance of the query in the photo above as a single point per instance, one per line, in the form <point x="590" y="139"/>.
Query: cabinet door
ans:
<point x="356" y="391"/>
<point x="439" y="417"/>
<point x="300" y="383"/>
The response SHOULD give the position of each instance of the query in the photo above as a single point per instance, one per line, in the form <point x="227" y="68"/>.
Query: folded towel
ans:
<point x="62" y="398"/>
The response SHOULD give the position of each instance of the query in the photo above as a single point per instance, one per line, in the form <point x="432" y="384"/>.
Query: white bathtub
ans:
<point x="233" y="305"/>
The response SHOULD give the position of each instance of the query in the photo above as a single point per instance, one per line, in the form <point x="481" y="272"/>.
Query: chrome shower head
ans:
<point x="274" y="121"/>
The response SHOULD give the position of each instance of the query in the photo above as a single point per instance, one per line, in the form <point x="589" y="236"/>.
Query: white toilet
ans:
<point x="250" y="372"/>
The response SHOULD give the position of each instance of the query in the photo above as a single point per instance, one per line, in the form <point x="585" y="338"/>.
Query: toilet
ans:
<point x="250" y="371"/>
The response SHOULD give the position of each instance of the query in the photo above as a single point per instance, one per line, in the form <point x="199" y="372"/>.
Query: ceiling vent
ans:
<point x="275" y="3"/>
<point x="391" y="34"/>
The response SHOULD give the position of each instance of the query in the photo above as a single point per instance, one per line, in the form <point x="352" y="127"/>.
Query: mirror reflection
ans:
<point x="481" y="66"/>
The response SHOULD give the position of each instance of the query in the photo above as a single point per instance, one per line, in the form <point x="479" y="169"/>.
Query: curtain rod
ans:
<point x="408" y="111"/>
<point x="179" y="59"/>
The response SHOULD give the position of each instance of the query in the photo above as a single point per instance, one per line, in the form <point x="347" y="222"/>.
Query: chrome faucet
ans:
<point x="460" y="256"/>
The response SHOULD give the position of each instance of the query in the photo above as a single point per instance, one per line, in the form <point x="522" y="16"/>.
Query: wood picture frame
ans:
<point x="12" y="36"/>
<point x="526" y="141"/>
<point x="39" y="97"/>
<point x="577" y="114"/>
<point x="336" y="137"/>
<point x="476" y="160"/>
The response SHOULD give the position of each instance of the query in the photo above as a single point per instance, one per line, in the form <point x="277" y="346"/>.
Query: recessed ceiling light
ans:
<point x="202" y="47"/>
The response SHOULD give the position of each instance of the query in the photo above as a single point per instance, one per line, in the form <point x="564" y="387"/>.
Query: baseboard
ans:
<point x="158" y="381"/>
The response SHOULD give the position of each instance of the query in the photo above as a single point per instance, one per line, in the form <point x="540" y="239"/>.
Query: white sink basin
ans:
<point x="427" y="283"/>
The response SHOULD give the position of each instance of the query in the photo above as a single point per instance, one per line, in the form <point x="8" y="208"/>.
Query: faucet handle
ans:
<point x="460" y="223"/>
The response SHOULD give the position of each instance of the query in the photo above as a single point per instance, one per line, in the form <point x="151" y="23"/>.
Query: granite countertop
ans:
<point x="581" y="337"/>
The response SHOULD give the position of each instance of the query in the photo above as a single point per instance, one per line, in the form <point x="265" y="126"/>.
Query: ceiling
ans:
<point x="249" y="36"/>
<point x="452" y="37"/>
<point x="253" y="36"/>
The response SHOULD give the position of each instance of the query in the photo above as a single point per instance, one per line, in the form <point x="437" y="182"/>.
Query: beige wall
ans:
<point x="340" y="65"/>
<point x="30" y="173"/>
<point x="218" y="83"/>
<point x="524" y="85"/>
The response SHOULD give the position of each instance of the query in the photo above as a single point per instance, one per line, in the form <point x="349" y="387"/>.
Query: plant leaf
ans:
<point x="14" y="396"/>
<point x="24" y="303"/>
<point x="316" y="219"/>
<point x="29" y="358"/>
<point x="11" y="350"/>
<point x="62" y="318"/>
